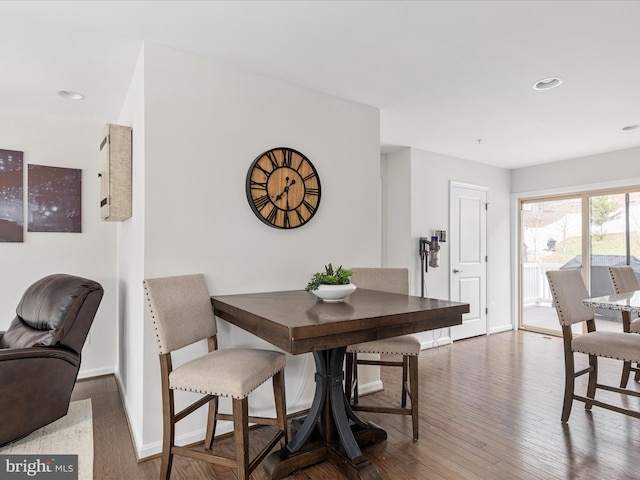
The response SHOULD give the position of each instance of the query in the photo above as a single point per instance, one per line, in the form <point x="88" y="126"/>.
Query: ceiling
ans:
<point x="452" y="77"/>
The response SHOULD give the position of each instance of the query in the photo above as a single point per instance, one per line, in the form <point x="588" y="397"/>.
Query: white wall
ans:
<point x="621" y="167"/>
<point x="131" y="374"/>
<point x="427" y="177"/>
<point x="398" y="250"/>
<point x="62" y="142"/>
<point x="204" y="123"/>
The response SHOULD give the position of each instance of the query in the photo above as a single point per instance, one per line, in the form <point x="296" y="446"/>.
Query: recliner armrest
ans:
<point x="39" y="352"/>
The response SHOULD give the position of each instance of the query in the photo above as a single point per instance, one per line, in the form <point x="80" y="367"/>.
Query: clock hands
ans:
<point x="286" y="190"/>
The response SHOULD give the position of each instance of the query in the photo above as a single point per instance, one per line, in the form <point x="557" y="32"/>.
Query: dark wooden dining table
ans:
<point x="296" y="322"/>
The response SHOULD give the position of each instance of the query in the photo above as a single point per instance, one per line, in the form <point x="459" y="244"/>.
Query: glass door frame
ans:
<point x="586" y="227"/>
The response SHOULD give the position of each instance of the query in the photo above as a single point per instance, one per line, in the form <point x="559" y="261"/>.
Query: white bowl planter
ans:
<point x="334" y="293"/>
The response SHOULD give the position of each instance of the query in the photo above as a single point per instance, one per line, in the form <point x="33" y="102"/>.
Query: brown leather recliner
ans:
<point x="40" y="352"/>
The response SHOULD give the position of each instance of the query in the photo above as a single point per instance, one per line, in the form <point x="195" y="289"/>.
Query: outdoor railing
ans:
<point x="535" y="288"/>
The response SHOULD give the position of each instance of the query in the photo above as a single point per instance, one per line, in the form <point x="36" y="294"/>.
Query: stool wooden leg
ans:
<point x="626" y="370"/>
<point x="569" y="386"/>
<point x="281" y="409"/>
<point x="168" y="420"/>
<point x="241" y="434"/>
<point x="414" y="389"/>
<point x="405" y="367"/>
<point x="593" y="381"/>
<point x="167" y="440"/>
<point x="212" y="421"/>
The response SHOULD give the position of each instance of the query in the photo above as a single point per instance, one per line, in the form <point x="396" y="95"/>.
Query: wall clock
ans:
<point x="283" y="188"/>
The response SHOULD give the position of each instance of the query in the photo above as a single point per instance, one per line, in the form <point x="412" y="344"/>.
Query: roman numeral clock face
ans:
<point x="283" y="188"/>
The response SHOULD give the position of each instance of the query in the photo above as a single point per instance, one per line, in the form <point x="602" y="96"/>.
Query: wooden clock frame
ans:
<point x="283" y="188"/>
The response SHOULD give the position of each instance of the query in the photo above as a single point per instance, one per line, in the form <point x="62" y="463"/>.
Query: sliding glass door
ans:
<point x="590" y="231"/>
<point x="550" y="238"/>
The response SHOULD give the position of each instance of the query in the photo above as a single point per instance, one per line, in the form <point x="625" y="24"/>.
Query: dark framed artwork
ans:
<point x="11" y="196"/>
<point x="54" y="199"/>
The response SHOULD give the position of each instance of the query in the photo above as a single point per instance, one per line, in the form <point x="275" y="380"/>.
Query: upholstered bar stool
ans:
<point x="624" y="280"/>
<point x="181" y="312"/>
<point x="392" y="280"/>
<point x="568" y="290"/>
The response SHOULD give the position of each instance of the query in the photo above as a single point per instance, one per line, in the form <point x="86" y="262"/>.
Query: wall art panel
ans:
<point x="11" y="196"/>
<point x="54" y="199"/>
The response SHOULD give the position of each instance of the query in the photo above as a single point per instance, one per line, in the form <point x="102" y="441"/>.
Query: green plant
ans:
<point x="603" y="210"/>
<point x="330" y="276"/>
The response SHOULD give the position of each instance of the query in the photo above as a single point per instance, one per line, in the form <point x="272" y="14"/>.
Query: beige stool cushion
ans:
<point x="623" y="346"/>
<point x="635" y="326"/>
<point x="228" y="373"/>
<point x="403" y="345"/>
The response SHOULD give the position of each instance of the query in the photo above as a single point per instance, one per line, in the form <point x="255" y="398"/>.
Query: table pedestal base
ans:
<point x="281" y="463"/>
<point x="326" y="432"/>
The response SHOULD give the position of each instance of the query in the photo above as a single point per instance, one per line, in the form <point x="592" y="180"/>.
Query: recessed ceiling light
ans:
<point x="630" y="127"/>
<point x="71" y="95"/>
<point x="547" y="83"/>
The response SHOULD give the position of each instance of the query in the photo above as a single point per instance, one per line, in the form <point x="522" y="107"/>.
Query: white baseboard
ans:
<point x="154" y="448"/>
<point x="371" y="387"/>
<point x="501" y="328"/>
<point x="135" y="438"/>
<point x="377" y="385"/>
<point x="95" y="372"/>
<point x="151" y="449"/>
<point x="426" y="344"/>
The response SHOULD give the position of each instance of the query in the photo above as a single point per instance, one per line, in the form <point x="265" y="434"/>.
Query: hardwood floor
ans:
<point x="489" y="409"/>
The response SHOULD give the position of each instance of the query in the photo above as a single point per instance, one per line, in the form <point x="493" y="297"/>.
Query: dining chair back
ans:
<point x="624" y="280"/>
<point x="568" y="290"/>
<point x="181" y="312"/>
<point x="392" y="280"/>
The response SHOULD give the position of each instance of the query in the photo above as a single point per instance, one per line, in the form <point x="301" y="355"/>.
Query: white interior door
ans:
<point x="468" y="206"/>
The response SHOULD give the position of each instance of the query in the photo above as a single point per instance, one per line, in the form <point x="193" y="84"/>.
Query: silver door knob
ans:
<point x="455" y="270"/>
